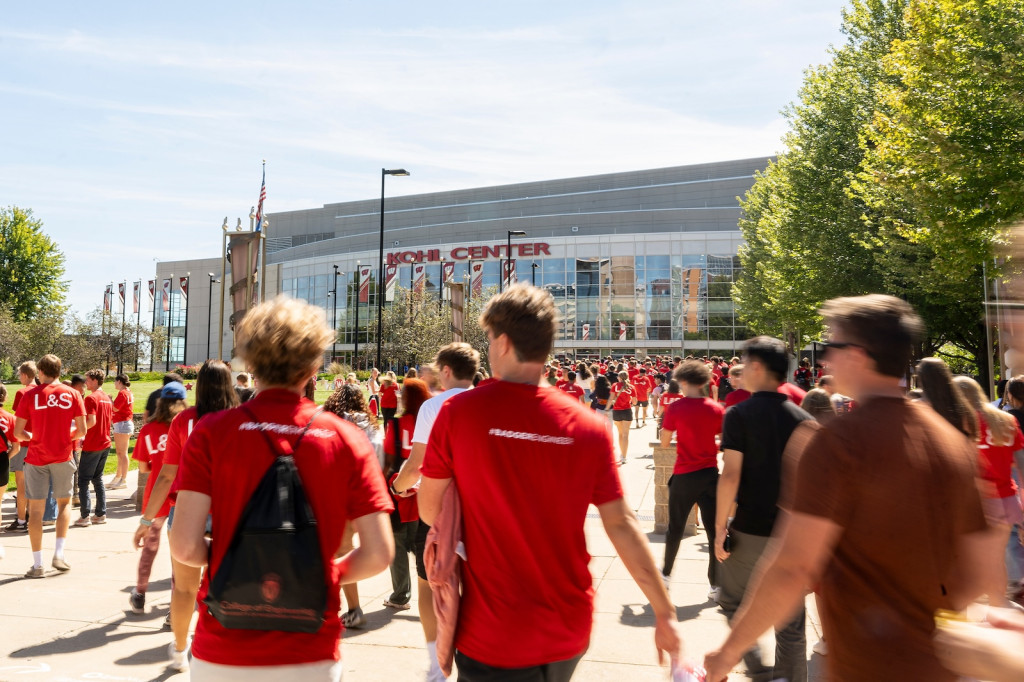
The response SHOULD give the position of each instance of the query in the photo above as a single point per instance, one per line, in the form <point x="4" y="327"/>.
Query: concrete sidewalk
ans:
<point x="77" y="626"/>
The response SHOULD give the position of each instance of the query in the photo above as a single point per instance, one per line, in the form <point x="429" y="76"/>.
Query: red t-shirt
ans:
<point x="123" y="405"/>
<point x="624" y="400"/>
<point x="995" y="462"/>
<point x="98" y="437"/>
<point x="408" y="508"/>
<point x="49" y="411"/>
<point x="572" y="389"/>
<point x="632" y="372"/>
<point x="19" y="394"/>
<point x="389" y="396"/>
<point x="225" y="458"/>
<point x="696" y="422"/>
<point x="667" y="399"/>
<point x="643" y="386"/>
<point x="792" y="391"/>
<point x="7" y="426"/>
<point x="181" y="428"/>
<point x="561" y="382"/>
<point x="508" y="445"/>
<point x="150" y="447"/>
<point x="736" y="396"/>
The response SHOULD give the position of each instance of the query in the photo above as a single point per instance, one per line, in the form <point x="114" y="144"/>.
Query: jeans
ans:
<point x="790" y="640"/>
<point x="405" y="544"/>
<point x="684" y="491"/>
<point x="91" y="471"/>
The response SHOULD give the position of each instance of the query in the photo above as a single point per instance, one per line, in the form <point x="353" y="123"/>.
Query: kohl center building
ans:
<point x="638" y="263"/>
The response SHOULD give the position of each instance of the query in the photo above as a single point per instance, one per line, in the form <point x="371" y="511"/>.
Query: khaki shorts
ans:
<point x="38" y="479"/>
<point x="319" y="671"/>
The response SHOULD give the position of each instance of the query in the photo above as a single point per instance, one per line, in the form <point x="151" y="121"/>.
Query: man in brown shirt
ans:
<point x="883" y="514"/>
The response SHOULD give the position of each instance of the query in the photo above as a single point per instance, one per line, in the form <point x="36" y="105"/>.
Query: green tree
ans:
<point x="31" y="263"/>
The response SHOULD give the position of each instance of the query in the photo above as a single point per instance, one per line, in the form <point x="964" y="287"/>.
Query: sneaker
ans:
<point x="117" y="484"/>
<point x="667" y="580"/>
<point x="99" y="520"/>
<point x="396" y="606"/>
<point x="167" y="622"/>
<point x="178" y="660"/>
<point x="17" y="527"/>
<point x="83" y="522"/>
<point x="820" y="648"/>
<point x="50" y="523"/>
<point x="35" y="572"/>
<point x="353" y="618"/>
<point x="137" y="601"/>
<point x="713" y="594"/>
<point x="60" y="564"/>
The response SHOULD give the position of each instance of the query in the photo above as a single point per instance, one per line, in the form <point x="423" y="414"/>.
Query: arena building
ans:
<point x="638" y="262"/>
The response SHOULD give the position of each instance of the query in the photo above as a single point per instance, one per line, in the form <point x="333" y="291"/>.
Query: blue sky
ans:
<point x="132" y="130"/>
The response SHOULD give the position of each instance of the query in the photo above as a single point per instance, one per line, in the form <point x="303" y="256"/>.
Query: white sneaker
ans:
<point x="666" y="579"/>
<point x="820" y="648"/>
<point x="713" y="594"/>
<point x="178" y="660"/>
<point x="117" y="484"/>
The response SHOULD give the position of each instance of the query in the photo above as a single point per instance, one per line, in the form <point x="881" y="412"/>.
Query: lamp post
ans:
<point x="533" y="274"/>
<point x="384" y="172"/>
<point x="508" y="256"/>
<point x="334" y="319"/>
<point x="209" y="313"/>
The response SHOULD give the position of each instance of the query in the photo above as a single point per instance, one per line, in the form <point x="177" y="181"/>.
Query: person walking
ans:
<point x="11" y="446"/>
<point x="99" y="413"/>
<point x="124" y="427"/>
<point x="621" y="405"/>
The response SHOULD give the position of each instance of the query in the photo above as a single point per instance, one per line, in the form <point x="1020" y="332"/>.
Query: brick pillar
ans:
<point x="664" y="462"/>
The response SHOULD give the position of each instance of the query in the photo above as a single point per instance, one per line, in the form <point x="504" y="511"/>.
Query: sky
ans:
<point x="132" y="130"/>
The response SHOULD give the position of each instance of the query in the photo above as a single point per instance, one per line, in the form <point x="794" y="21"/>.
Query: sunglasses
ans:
<point x="838" y="345"/>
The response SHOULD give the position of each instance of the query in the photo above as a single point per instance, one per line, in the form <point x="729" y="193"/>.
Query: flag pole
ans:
<point x="152" y="330"/>
<point x="184" y="340"/>
<point x="120" y="335"/>
<point x="138" y="322"/>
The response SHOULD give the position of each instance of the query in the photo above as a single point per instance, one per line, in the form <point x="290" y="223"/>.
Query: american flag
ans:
<point x="263" y="195"/>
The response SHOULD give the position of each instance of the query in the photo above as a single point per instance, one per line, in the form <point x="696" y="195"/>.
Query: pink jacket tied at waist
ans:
<point x="444" y="571"/>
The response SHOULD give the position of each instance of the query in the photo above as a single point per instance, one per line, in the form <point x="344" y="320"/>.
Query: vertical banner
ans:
<point x="622" y="331"/>
<point x="136" y="293"/>
<point x="364" y="283"/>
<point x="476" y="277"/>
<point x="167" y="295"/>
<point x="152" y="294"/>
<point x="106" y="300"/>
<point x="510" y="272"/>
<point x="419" y="277"/>
<point x="390" y="277"/>
<point x="120" y="294"/>
<point x="458" y="299"/>
<point x="447" y="275"/>
<point x="586" y="331"/>
<point x="183" y="287"/>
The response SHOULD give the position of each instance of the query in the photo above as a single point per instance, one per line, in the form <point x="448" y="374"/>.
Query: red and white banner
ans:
<point x="364" y="283"/>
<point x="622" y="331"/>
<point x="136" y="292"/>
<point x="167" y="295"/>
<point x="586" y="332"/>
<point x="476" y="277"/>
<point x="183" y="286"/>
<point x="390" y="277"/>
<point x="120" y="293"/>
<point x="510" y="272"/>
<point x="152" y="293"/>
<point x="447" y="275"/>
<point x="106" y="299"/>
<point x="419" y="277"/>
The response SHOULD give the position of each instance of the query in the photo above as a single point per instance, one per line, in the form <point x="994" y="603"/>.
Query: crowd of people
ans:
<point x="893" y="495"/>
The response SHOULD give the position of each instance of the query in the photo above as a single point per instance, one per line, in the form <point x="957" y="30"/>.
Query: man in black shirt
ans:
<point x="151" y="400"/>
<point x="754" y="437"/>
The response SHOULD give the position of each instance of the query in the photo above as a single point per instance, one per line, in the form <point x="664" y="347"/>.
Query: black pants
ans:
<point x="388" y="413"/>
<point x="684" y="491"/>
<point x="471" y="670"/>
<point x="90" y="471"/>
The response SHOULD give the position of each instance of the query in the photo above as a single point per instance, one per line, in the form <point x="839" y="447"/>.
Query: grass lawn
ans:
<point x="140" y="391"/>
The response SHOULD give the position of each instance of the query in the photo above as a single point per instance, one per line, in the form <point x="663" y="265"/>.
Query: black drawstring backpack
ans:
<point x="272" y="576"/>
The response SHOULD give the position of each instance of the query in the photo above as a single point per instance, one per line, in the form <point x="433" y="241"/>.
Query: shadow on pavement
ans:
<point x="82" y="640"/>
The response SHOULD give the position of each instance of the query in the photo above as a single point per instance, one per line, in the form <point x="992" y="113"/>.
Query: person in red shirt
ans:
<point x="667" y="397"/>
<point x="214" y="393"/>
<point x="570" y="387"/>
<point x="27" y="377"/>
<point x="507" y="444"/>
<point x="10" y="445"/>
<point x="389" y="396"/>
<point x="738" y="394"/>
<point x="225" y="458"/>
<point x="696" y="421"/>
<point x="95" y="448"/>
<point x="45" y="418"/>
<point x="124" y="427"/>
<point x="643" y="386"/>
<point x="149" y="453"/>
<point x="621" y="405"/>
<point x="792" y="391"/>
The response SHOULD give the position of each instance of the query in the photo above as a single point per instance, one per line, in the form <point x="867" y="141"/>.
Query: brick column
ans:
<point x="664" y="462"/>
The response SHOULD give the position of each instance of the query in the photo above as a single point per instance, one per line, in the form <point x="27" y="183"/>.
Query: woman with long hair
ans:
<point x="215" y="392"/>
<point x="389" y="389"/>
<point x="621" y="404"/>
<point x="406" y="518"/>
<point x="935" y="379"/>
<point x="999" y="439"/>
<point x="124" y="426"/>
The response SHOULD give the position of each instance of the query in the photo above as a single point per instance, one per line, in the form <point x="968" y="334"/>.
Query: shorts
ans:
<point x="125" y="427"/>
<point x="318" y="671"/>
<point x="1003" y="510"/>
<point x="38" y="479"/>
<point x="641" y="403"/>
<point x="622" y="415"/>
<point x="421" y="546"/>
<point x="5" y="470"/>
<point x="18" y="461"/>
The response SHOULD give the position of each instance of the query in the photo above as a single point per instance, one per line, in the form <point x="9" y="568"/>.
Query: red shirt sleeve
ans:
<point x="176" y="437"/>
<point x="607" y="486"/>
<point x="437" y="461"/>
<point x="668" y="422"/>
<point x="196" y="472"/>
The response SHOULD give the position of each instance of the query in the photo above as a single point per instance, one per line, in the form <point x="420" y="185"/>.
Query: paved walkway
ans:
<point x="77" y="626"/>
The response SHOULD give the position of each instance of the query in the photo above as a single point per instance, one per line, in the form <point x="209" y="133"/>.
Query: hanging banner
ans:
<point x="390" y="277"/>
<point x="183" y="286"/>
<point x="106" y="299"/>
<point x="586" y="332"/>
<point x="476" y="277"/>
<point x="458" y="311"/>
<point x="447" y="275"/>
<point x="152" y="293"/>
<point x="167" y="295"/>
<point x="120" y="293"/>
<point x="510" y="272"/>
<point x="364" y="283"/>
<point x="622" y="331"/>
<point x="419" y="277"/>
<point x="136" y="291"/>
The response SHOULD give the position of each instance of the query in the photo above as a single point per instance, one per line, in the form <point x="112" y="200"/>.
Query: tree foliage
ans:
<point x="32" y="266"/>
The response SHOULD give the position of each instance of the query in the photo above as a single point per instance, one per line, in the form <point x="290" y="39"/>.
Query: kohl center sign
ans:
<point x="469" y="253"/>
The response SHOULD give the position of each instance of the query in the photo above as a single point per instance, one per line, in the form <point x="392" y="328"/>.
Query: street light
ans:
<point x="533" y="274"/>
<point x="398" y="172"/>
<point x="508" y="256"/>
<point x="209" y="313"/>
<point x="334" y="320"/>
